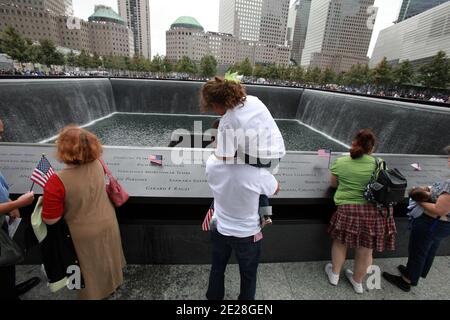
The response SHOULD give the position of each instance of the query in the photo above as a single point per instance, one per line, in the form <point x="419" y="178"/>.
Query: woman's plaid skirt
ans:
<point x="362" y="225"/>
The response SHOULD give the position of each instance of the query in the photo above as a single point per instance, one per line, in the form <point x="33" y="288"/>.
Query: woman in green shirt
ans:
<point x="357" y="224"/>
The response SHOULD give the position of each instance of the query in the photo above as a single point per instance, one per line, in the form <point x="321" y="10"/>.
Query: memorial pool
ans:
<point x="155" y="130"/>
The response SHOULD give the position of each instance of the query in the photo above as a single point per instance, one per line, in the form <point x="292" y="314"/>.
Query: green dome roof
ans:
<point x="186" y="22"/>
<point x="106" y="14"/>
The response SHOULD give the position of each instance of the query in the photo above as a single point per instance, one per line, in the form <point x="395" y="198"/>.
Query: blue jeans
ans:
<point x="247" y="253"/>
<point x="426" y="236"/>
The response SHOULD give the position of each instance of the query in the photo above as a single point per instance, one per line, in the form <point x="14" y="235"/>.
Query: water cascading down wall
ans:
<point x="36" y="109"/>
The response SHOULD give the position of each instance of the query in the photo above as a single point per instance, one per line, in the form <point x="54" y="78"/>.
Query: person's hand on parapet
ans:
<point x="26" y="199"/>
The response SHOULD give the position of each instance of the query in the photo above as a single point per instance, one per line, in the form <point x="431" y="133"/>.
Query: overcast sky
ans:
<point x="164" y="12"/>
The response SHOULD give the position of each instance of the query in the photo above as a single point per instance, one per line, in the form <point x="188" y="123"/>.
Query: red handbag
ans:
<point x="115" y="191"/>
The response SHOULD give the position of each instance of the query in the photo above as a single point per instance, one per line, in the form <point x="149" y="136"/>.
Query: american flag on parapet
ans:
<point x="42" y="172"/>
<point x="206" y="225"/>
<point x="324" y="153"/>
<point x="156" y="159"/>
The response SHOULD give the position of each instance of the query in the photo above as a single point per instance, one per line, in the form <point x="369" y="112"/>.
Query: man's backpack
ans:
<point x="386" y="187"/>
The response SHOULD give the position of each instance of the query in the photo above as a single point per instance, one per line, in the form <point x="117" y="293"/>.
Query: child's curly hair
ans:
<point x="221" y="92"/>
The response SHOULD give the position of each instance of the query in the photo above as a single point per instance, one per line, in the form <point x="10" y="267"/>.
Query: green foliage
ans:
<point x="157" y="64"/>
<point x="83" y="60"/>
<point x="404" y="73"/>
<point x="327" y="77"/>
<point x="298" y="74"/>
<point x="186" y="65"/>
<point x="245" y="68"/>
<point x="313" y="75"/>
<point x="96" y="62"/>
<point x="49" y="55"/>
<point x="71" y="59"/>
<point x="383" y="76"/>
<point x="167" y="65"/>
<point x="14" y="45"/>
<point x="436" y="74"/>
<point x="33" y="52"/>
<point x="208" y="66"/>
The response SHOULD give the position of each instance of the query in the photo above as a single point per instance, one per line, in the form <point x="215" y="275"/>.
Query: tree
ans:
<point x="71" y="59"/>
<point x="96" y="61"/>
<point x="383" y="75"/>
<point x="83" y="60"/>
<point x="33" y="52"/>
<point x="436" y="74"/>
<point x="340" y="78"/>
<point x="298" y="74"/>
<point x="283" y="73"/>
<point x="245" y="68"/>
<point x="327" y="77"/>
<point x="404" y="74"/>
<point x="313" y="75"/>
<point x="49" y="55"/>
<point x="258" y="71"/>
<point x="167" y="65"/>
<point x="271" y="71"/>
<point x="186" y="65"/>
<point x="157" y="64"/>
<point x="14" y="45"/>
<point x="358" y="76"/>
<point x="208" y="66"/>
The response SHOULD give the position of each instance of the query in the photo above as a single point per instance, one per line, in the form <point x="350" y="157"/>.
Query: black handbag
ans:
<point x="387" y="187"/>
<point x="10" y="252"/>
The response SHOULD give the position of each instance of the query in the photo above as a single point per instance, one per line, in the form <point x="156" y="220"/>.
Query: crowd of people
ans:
<point x="412" y="94"/>
<point x="241" y="175"/>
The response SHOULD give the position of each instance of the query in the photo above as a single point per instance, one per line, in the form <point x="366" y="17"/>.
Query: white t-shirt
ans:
<point x="236" y="189"/>
<point x="250" y="129"/>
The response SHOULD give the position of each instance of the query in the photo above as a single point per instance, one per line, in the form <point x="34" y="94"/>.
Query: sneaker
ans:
<point x="397" y="281"/>
<point x="358" y="287"/>
<point x="332" y="277"/>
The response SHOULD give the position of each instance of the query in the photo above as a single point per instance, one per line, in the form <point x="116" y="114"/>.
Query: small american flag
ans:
<point x="324" y="153"/>
<point x="207" y="221"/>
<point x="156" y="159"/>
<point x="42" y="172"/>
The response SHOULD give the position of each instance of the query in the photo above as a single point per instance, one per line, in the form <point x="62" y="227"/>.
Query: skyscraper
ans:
<point x="417" y="39"/>
<point x="136" y="14"/>
<point x="300" y="11"/>
<point x="68" y="7"/>
<point x="411" y="8"/>
<point x="338" y="34"/>
<point x="255" y="20"/>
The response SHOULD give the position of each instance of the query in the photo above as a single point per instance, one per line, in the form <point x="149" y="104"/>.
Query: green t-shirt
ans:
<point x="353" y="176"/>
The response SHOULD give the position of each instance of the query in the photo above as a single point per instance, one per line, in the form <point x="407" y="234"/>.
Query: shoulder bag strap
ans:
<point x="376" y="170"/>
<point x="105" y="167"/>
